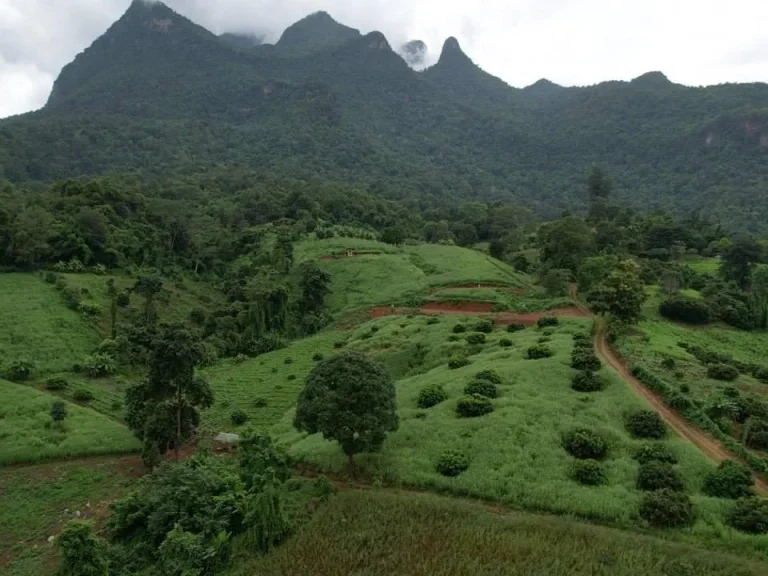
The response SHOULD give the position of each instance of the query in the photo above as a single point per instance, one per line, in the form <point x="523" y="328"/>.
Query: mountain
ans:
<point x="160" y="97"/>
<point x="243" y="41"/>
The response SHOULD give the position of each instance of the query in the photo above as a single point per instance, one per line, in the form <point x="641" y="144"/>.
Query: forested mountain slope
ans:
<point x="160" y="96"/>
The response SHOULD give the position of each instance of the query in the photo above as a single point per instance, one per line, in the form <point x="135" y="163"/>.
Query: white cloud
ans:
<point x="571" y="42"/>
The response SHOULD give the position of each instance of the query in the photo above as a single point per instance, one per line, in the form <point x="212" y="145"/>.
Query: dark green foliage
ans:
<point x="621" y="294"/>
<point x="339" y="344"/>
<point x="432" y="321"/>
<point x="482" y="388"/>
<point x="548" y="321"/>
<point x="667" y="509"/>
<point x="762" y="375"/>
<point x="669" y="364"/>
<point x="582" y="359"/>
<point x="459" y="329"/>
<point x="587" y="382"/>
<point x="198" y="316"/>
<point x="474" y="406"/>
<point x="544" y="340"/>
<point x="82" y="552"/>
<point x="432" y="395"/>
<point x="262" y="464"/>
<point x="56" y="384"/>
<point x="646" y="424"/>
<point x="739" y="260"/>
<point x="655" y="452"/>
<point x="515" y="327"/>
<point x="315" y="285"/>
<point x="688" y="310"/>
<point x="20" y="371"/>
<point x="730" y="480"/>
<point x="123" y="300"/>
<point x="260" y="403"/>
<point x="350" y="399"/>
<point x="724" y="372"/>
<point x="452" y="463"/>
<point x="458" y="361"/>
<point x="505" y="343"/>
<point x="539" y="351"/>
<point x="555" y="282"/>
<point x="749" y="515"/>
<point x="238" y="418"/>
<point x="484" y="326"/>
<point x="588" y="472"/>
<point x="475" y="338"/>
<point x="318" y="357"/>
<point x="291" y="377"/>
<point x="99" y="365"/>
<point x="757" y="434"/>
<point x="82" y="395"/>
<point x="655" y="475"/>
<point x="585" y="444"/>
<point x="323" y="488"/>
<point x="288" y="361"/>
<point x="490" y="375"/>
<point x="58" y="411"/>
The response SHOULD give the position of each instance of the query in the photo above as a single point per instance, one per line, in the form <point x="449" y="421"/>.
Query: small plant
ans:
<point x="654" y="453"/>
<point x="548" y="332"/>
<point x="547" y="321"/>
<point x="459" y="329"/>
<point x="667" y="509"/>
<point x="260" y="402"/>
<point x="585" y="444"/>
<point x="516" y="327"/>
<point x="490" y="375"/>
<point x="749" y="515"/>
<point x="99" y="365"/>
<point x="655" y="475"/>
<point x="433" y="320"/>
<point x="238" y="418"/>
<point x="539" y="351"/>
<point x="431" y="395"/>
<point x="587" y="382"/>
<point x="484" y="326"/>
<point x="273" y="371"/>
<point x="684" y="388"/>
<point x="474" y="406"/>
<point x="668" y="364"/>
<point x="20" y="371"/>
<point x="339" y="344"/>
<point x="55" y="384"/>
<point x="475" y="338"/>
<point x="588" y="472"/>
<point x="452" y="463"/>
<point x="458" y="361"/>
<point x="50" y="277"/>
<point x="585" y="360"/>
<point x="58" y="412"/>
<point x="646" y="424"/>
<point x="123" y="300"/>
<point x="291" y="377"/>
<point x="116" y="406"/>
<point x="323" y="488"/>
<point x="288" y="361"/>
<point x="544" y="340"/>
<point x="724" y="372"/>
<point x="318" y="357"/>
<point x="505" y="343"/>
<point x="197" y="316"/>
<point x="82" y="395"/>
<point x="482" y="388"/>
<point x="761" y="374"/>
<point x="730" y="480"/>
<point x="453" y="338"/>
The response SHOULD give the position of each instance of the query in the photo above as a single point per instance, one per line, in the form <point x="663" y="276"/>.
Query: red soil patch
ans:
<point x="450" y="307"/>
<point x="350" y="254"/>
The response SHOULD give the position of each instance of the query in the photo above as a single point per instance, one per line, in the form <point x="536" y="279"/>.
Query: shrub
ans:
<point x="322" y="487"/>
<point x="453" y="338"/>
<point x="110" y="347"/>
<point x="431" y="395"/>
<point x="474" y="406"/>
<point x="90" y="309"/>
<point x="587" y="382"/>
<point x="81" y="551"/>
<point x="730" y="480"/>
<point x="583" y="346"/>
<point x="548" y="332"/>
<point x="82" y="395"/>
<point x="58" y="411"/>
<point x="482" y="388"/>
<point x="432" y="321"/>
<point x="585" y="444"/>
<point x="646" y="424"/>
<point x="723" y="372"/>
<point x="475" y="338"/>
<point x="539" y="351"/>
<point x="762" y="375"/>
<point x="459" y="329"/>
<point x="484" y="326"/>
<point x="585" y="360"/>
<point x="546" y="321"/>
<point x="288" y="361"/>
<point x="291" y="377"/>
<point x="99" y="365"/>
<point x="50" y="277"/>
<point x="490" y="375"/>
<point x="339" y="344"/>
<point x="667" y="509"/>
<point x="515" y="327"/>
<point x="56" y="384"/>
<point x="544" y="340"/>
<point x="458" y="361"/>
<point x="260" y="402"/>
<point x="668" y="363"/>
<point x="318" y="357"/>
<point x="749" y="515"/>
<point x="582" y="337"/>
<point x="198" y="316"/>
<point x="20" y="371"/>
<point x="123" y="299"/>
<point x="238" y="417"/>
<point x="588" y="472"/>
<point x="505" y="343"/>
<point x="654" y="453"/>
<point x="655" y="475"/>
<point x="452" y="463"/>
<point x="688" y="310"/>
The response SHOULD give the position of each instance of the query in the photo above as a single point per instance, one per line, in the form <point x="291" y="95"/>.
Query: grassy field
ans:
<point x="36" y="326"/>
<point x="373" y="533"/>
<point x="27" y="434"/>
<point x="38" y="500"/>
<point x="703" y="265"/>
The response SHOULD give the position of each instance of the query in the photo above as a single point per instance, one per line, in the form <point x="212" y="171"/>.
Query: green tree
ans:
<point x="349" y="399"/>
<point x="594" y="270"/>
<point x="497" y="249"/>
<point x="738" y="262"/>
<point x="466" y="234"/>
<point x="58" y="412"/>
<point x="149" y="287"/>
<point x="82" y="552"/>
<point x="671" y="280"/>
<point x="566" y="243"/>
<point x="267" y="302"/>
<point x="112" y="293"/>
<point x="31" y="234"/>
<point x="393" y="235"/>
<point x="621" y="294"/>
<point x="555" y="282"/>
<point x="261" y="462"/>
<point x="315" y="286"/>
<point x="759" y="283"/>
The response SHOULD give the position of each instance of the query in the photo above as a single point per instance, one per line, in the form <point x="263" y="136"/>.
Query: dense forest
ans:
<point x="164" y="102"/>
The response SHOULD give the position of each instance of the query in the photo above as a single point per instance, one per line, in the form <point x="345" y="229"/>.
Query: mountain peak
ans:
<point x="453" y="55"/>
<point x="315" y="32"/>
<point x="652" y="80"/>
<point x="543" y="87"/>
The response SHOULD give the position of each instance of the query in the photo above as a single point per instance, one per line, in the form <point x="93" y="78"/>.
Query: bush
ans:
<point x="238" y="417"/>
<point x="482" y="388"/>
<point x="123" y="299"/>
<point x="459" y="329"/>
<point x="585" y="444"/>
<point x="291" y="377"/>
<point x="260" y="402"/>
<point x="730" y="480"/>
<point x="431" y="395"/>
<point x="322" y="488"/>
<point x="547" y="321"/>
<point x="544" y="340"/>
<point x="318" y="357"/>
<point x="452" y="463"/>
<point x="505" y="343"/>
<point x="749" y="515"/>
<point x="81" y="551"/>
<point x="667" y="509"/>
<point x="585" y="360"/>
<point x="99" y="365"/>
<point x="58" y="411"/>
<point x="668" y="364"/>
<point x="474" y="406"/>
<point x="516" y="327"/>
<point x="50" y="277"/>
<point x="339" y="344"/>
<point x="82" y="395"/>
<point x="688" y="310"/>
<point x="484" y="326"/>
<point x="722" y="372"/>
<point x="20" y="371"/>
<point x="453" y="338"/>
<point x="646" y="424"/>
<point x="56" y="384"/>
<point x="90" y="309"/>
<point x="198" y="316"/>
<point x="762" y="375"/>
<point x="475" y="338"/>
<point x="490" y="375"/>
<point x="288" y="361"/>
<point x="654" y="453"/>
<point x="458" y="361"/>
<point x="432" y="321"/>
<point x="539" y="351"/>
<point x="582" y="337"/>
<point x="588" y="472"/>
<point x="655" y="475"/>
<point x="587" y="382"/>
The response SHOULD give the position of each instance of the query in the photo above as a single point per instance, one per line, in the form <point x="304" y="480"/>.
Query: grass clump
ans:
<point x="547" y="321"/>
<point x="539" y="351"/>
<point x="82" y="395"/>
<point x="724" y="372"/>
<point x="432" y="395"/>
<point x="585" y="444"/>
<point x="482" y="388"/>
<point x="515" y="327"/>
<point x="587" y="382"/>
<point x="506" y="343"/>
<point x="452" y="463"/>
<point x="655" y="475"/>
<point x="588" y="472"/>
<point x="56" y="384"/>
<point x="731" y="480"/>
<point x="474" y="406"/>
<point x="318" y="357"/>
<point x="238" y="417"/>
<point x="458" y="361"/>
<point x="646" y="424"/>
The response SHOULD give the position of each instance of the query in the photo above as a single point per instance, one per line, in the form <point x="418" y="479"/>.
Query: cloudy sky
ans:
<point x="571" y="42"/>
